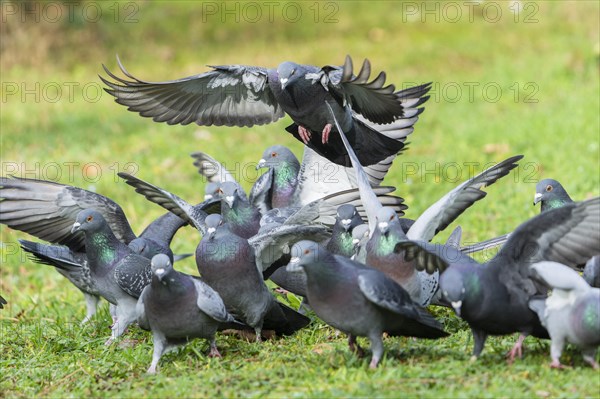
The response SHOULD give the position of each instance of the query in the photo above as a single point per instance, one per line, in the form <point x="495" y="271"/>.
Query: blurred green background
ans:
<point x="517" y="77"/>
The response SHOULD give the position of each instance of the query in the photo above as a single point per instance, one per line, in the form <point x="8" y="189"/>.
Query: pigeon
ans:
<point x="358" y="300"/>
<point x="493" y="297"/>
<point x="242" y="217"/>
<point x="226" y="262"/>
<point x="376" y="118"/>
<point x="386" y="229"/>
<point x="72" y="265"/>
<point x="551" y="194"/>
<point x="571" y="313"/>
<point x="591" y="272"/>
<point x="178" y="307"/>
<point x="340" y="243"/>
<point x="2" y="302"/>
<point x="118" y="274"/>
<point x="47" y="210"/>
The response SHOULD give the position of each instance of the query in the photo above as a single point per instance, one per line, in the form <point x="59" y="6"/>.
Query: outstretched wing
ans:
<point x="47" y="210"/>
<point x="230" y="95"/>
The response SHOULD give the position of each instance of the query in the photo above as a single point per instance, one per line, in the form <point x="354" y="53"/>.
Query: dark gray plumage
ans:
<point x="72" y="265"/>
<point x="340" y="243"/>
<point x="358" y="300"/>
<point x="493" y="297"/>
<point x="591" y="271"/>
<point x="47" y="210"/>
<point x="178" y="307"/>
<point x="571" y="313"/>
<point x="226" y="262"/>
<point x="376" y="118"/>
<point x="119" y="275"/>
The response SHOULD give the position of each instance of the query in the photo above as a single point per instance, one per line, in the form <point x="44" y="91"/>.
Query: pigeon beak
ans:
<point x="210" y="232"/>
<point x="76" y="227"/>
<point x="383" y="227"/>
<point x="456" y="305"/>
<point x="208" y="197"/>
<point x="537" y="198"/>
<point x="283" y="82"/>
<point x="261" y="164"/>
<point x="159" y="273"/>
<point x="294" y="265"/>
<point x="346" y="223"/>
<point x="229" y="200"/>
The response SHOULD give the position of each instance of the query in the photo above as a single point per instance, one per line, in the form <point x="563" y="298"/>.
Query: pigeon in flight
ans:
<point x="376" y="118"/>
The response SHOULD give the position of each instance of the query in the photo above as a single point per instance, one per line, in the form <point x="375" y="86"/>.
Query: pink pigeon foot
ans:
<point x="214" y="352"/>
<point x="556" y="365"/>
<point x="304" y="134"/>
<point x="517" y="349"/>
<point x="325" y="134"/>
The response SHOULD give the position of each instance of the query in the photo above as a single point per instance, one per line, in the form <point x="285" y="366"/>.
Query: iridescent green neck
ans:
<point x="102" y="248"/>
<point x="286" y="175"/>
<point x="553" y="204"/>
<point x="386" y="243"/>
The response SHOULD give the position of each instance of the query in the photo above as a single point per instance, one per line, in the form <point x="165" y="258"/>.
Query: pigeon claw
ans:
<point x="556" y="365"/>
<point x="304" y="134"/>
<point x="517" y="350"/>
<point x="325" y="134"/>
<point x="214" y="352"/>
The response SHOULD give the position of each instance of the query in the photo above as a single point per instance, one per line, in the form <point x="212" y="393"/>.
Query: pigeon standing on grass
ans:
<point x="178" y="307"/>
<point x="376" y="118"/>
<point x="571" y="313"/>
<point x="118" y="274"/>
<point x="226" y="262"/>
<point x="358" y="300"/>
<point x="493" y="298"/>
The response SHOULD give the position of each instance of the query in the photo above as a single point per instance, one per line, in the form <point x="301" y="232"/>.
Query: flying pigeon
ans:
<point x="376" y="118"/>
<point x="571" y="313"/>
<point x="493" y="297"/>
<point x="358" y="300"/>
<point x="178" y="307"/>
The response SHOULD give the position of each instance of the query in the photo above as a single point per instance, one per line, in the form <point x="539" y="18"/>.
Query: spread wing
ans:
<point x="230" y="95"/>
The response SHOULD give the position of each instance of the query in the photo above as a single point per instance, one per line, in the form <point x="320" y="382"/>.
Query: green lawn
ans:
<point x="504" y="84"/>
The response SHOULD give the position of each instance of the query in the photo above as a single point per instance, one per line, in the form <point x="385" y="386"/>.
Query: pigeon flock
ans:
<point x="339" y="242"/>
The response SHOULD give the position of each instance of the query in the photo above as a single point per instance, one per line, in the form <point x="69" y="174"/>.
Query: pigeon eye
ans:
<point x="549" y="187"/>
<point x="306" y="252"/>
<point x="391" y="218"/>
<point x="273" y="154"/>
<point x="89" y="218"/>
<point x="293" y="72"/>
<point x="220" y="191"/>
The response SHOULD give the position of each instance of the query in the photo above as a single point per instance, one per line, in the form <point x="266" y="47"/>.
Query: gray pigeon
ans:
<point x="2" y="302"/>
<point x="591" y="271"/>
<point x="341" y="241"/>
<point x="119" y="275"/>
<point x="178" y="307"/>
<point x="493" y="297"/>
<point x="551" y="194"/>
<point x="358" y="300"/>
<point x="47" y="210"/>
<point x="226" y="262"/>
<point x="375" y="117"/>
<point x="571" y="313"/>
<point x="242" y="217"/>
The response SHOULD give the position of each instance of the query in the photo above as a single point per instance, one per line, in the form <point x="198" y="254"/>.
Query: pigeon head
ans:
<point x="304" y="254"/>
<point x="213" y="222"/>
<point x="384" y="217"/>
<point x="276" y="155"/>
<point x="549" y="191"/>
<point x="453" y="288"/>
<point x="88" y="220"/>
<point x="288" y="72"/>
<point x="138" y="246"/>
<point x="360" y="235"/>
<point x="229" y="193"/>
<point x="212" y="191"/>
<point x="348" y="217"/>
<point x="161" y="266"/>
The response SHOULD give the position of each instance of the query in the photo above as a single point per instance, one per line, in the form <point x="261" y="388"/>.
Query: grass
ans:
<point x="555" y="61"/>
